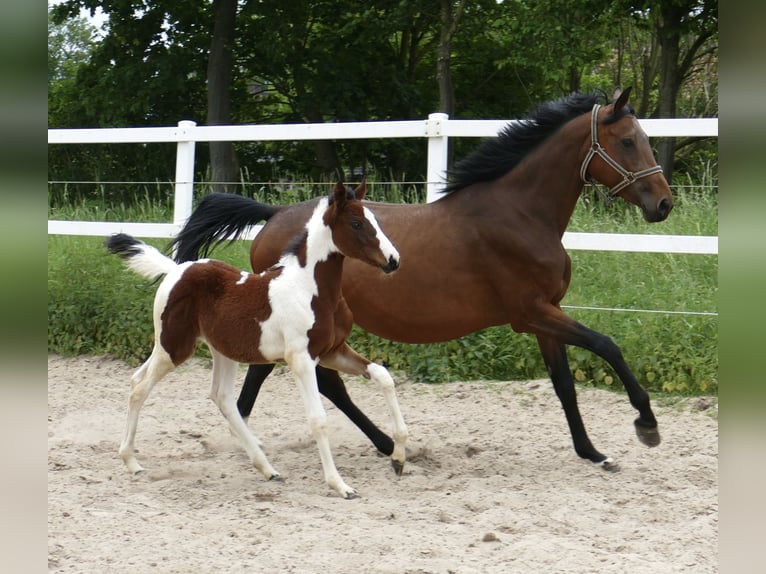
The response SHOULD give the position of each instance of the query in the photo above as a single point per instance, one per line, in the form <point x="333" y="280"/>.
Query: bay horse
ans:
<point x="292" y="311"/>
<point x="488" y="252"/>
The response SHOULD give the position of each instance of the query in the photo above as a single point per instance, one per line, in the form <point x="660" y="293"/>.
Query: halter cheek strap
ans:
<point x="628" y="177"/>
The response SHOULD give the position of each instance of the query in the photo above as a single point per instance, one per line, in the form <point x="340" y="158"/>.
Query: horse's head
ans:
<point x="356" y="232"/>
<point x="621" y="158"/>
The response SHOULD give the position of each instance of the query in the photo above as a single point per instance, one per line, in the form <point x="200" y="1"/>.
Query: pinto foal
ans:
<point x="293" y="311"/>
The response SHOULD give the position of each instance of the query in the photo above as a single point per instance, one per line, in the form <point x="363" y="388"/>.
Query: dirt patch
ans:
<point x="493" y="484"/>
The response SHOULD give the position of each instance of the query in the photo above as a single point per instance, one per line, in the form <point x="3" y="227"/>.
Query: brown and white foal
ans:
<point x="293" y="311"/>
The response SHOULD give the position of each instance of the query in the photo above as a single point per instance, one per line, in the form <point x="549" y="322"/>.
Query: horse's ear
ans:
<point x="621" y="97"/>
<point x="361" y="190"/>
<point x="339" y="195"/>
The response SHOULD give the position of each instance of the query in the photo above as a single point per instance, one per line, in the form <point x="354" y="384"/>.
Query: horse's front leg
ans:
<point x="303" y="367"/>
<point x="553" y="323"/>
<point x="646" y="422"/>
<point x="554" y="355"/>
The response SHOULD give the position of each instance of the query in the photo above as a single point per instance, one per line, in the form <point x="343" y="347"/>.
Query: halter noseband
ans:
<point x="628" y="177"/>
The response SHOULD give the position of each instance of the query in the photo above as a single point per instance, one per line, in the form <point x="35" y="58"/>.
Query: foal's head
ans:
<point x="356" y="232"/>
<point x="632" y="173"/>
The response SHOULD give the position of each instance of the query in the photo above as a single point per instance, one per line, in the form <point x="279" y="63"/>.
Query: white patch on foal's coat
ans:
<point x="244" y="277"/>
<point x="286" y="330"/>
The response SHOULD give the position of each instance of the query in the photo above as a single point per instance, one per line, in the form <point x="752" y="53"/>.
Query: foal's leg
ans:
<point x="155" y="367"/>
<point x="303" y="368"/>
<point x="332" y="387"/>
<point x="222" y="394"/>
<point x="347" y="360"/>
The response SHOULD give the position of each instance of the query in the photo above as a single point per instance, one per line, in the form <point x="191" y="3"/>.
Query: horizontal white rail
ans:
<point x="437" y="129"/>
<point x="690" y="127"/>
<point x="699" y="244"/>
<point x="104" y="228"/>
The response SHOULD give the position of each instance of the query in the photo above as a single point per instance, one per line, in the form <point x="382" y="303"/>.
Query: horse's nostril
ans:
<point x="393" y="265"/>
<point x="664" y="207"/>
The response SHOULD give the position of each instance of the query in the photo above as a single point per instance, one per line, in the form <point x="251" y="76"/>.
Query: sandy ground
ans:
<point x="494" y="484"/>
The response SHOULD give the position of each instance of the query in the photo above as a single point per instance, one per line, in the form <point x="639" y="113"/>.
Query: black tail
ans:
<point x="218" y="217"/>
<point x="124" y="245"/>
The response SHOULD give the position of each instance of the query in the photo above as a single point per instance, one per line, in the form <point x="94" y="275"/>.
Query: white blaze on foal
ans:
<point x="292" y="312"/>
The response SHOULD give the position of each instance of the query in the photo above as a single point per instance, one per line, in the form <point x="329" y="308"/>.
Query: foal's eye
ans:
<point x="627" y="142"/>
<point x="356" y="225"/>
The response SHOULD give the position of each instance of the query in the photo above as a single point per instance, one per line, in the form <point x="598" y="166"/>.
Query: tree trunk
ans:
<point x="449" y="22"/>
<point x="223" y="159"/>
<point x="668" y="32"/>
<point x="326" y="150"/>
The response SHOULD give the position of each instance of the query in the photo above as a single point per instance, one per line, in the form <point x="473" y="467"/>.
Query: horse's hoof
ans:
<point x="398" y="467"/>
<point x="276" y="478"/>
<point x="608" y="465"/>
<point x="648" y="435"/>
<point x="351" y="495"/>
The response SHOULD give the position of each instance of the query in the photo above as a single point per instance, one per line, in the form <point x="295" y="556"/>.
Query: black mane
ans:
<point x="497" y="156"/>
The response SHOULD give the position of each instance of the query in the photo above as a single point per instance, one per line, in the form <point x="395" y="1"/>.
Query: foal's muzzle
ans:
<point x="391" y="266"/>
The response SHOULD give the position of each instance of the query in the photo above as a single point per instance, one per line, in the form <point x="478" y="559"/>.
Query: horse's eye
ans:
<point x="356" y="224"/>
<point x="627" y="142"/>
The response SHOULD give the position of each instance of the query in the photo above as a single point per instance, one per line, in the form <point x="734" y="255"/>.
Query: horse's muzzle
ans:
<point x="660" y="212"/>
<point x="391" y="266"/>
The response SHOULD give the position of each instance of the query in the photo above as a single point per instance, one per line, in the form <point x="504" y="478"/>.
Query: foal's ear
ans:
<point x="339" y="195"/>
<point x="361" y="190"/>
<point x="621" y="98"/>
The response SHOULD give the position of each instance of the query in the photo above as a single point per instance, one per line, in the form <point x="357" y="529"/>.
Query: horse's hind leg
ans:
<point x="156" y="367"/>
<point x="554" y="355"/>
<point x="222" y="394"/>
<point x="256" y="375"/>
<point x="347" y="360"/>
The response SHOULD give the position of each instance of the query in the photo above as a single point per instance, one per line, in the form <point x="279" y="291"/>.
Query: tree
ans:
<point x="552" y="44"/>
<point x="683" y="35"/>
<point x="223" y="159"/>
<point x="450" y="19"/>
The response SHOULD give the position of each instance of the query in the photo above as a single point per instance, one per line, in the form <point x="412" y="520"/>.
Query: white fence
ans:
<point x="437" y="129"/>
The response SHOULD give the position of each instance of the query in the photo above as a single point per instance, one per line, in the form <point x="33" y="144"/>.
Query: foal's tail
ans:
<point x="218" y="217"/>
<point x="140" y="257"/>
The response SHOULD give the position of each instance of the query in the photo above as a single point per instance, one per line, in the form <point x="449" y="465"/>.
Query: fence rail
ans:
<point x="437" y="129"/>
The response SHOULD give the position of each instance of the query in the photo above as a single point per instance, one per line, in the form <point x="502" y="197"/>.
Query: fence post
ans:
<point x="438" y="144"/>
<point x="184" y="185"/>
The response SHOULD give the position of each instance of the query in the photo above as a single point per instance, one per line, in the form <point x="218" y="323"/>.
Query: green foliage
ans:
<point x="96" y="306"/>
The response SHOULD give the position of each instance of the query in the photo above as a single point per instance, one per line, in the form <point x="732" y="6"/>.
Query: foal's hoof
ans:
<point x="649" y="435"/>
<point x="608" y="465"/>
<point x="276" y="478"/>
<point x="398" y="467"/>
<point x="351" y="495"/>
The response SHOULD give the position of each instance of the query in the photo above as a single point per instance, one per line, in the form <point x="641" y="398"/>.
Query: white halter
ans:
<point x="628" y="177"/>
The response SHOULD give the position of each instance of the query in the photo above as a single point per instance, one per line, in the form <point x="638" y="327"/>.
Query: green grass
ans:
<point x="95" y="306"/>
